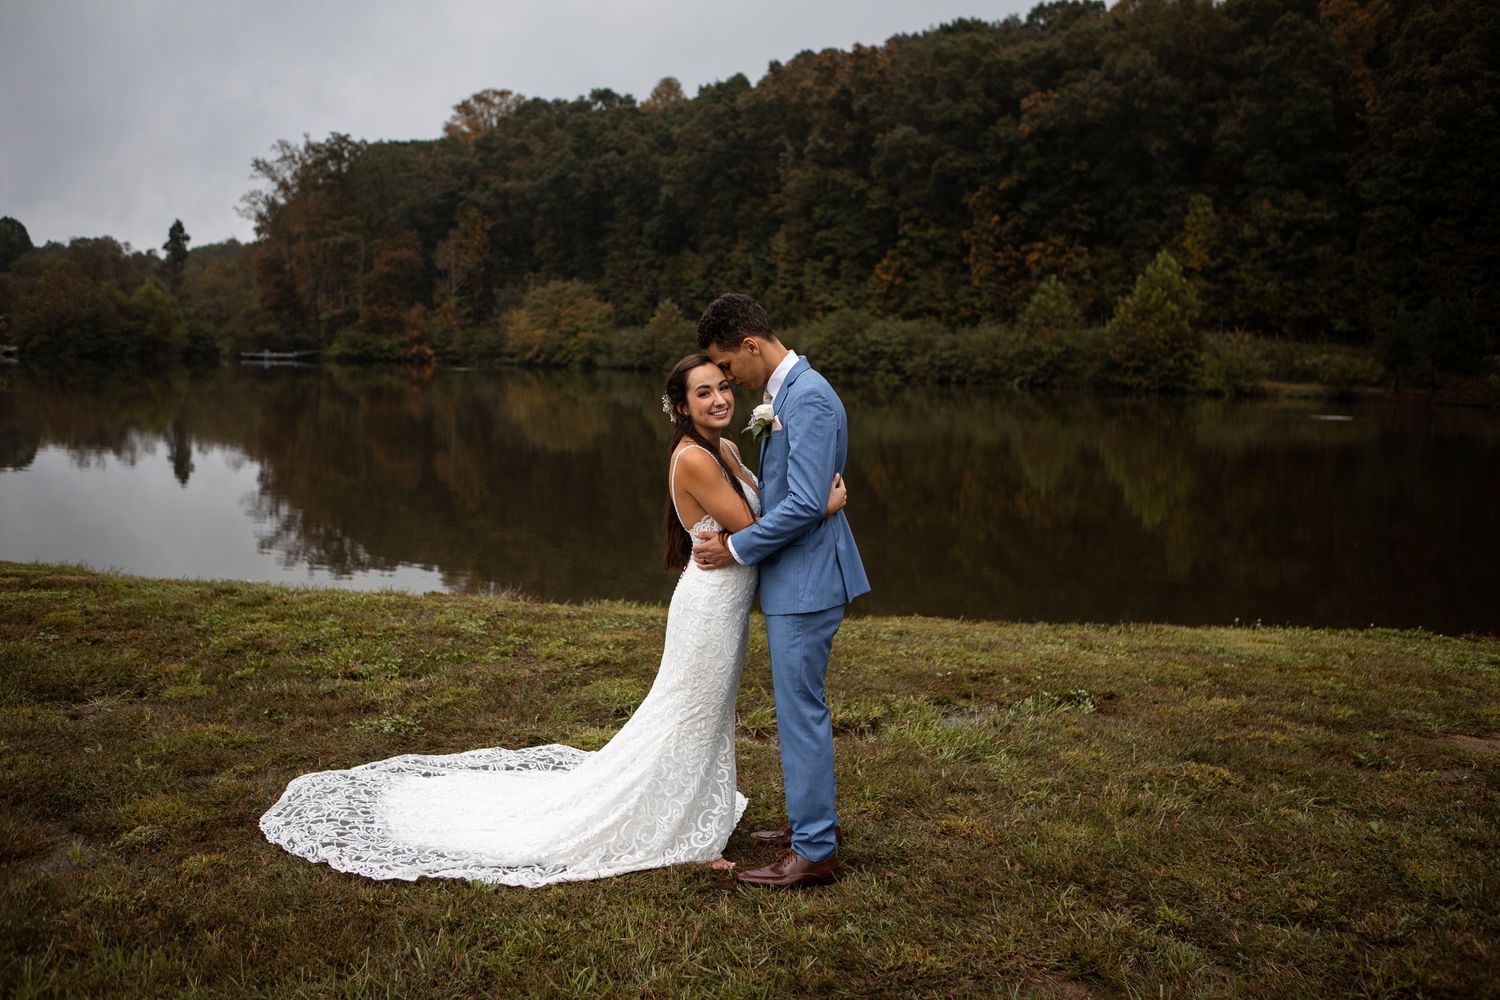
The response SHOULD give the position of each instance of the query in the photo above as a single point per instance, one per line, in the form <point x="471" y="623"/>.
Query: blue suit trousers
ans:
<point x="800" y="645"/>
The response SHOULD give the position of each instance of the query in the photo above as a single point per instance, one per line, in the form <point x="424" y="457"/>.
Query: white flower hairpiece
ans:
<point x="666" y="407"/>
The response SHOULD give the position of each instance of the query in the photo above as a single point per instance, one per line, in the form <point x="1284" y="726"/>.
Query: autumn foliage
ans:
<point x="1318" y="169"/>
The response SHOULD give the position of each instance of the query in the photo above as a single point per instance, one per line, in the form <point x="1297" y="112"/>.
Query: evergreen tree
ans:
<point x="176" y="249"/>
<point x="1051" y="311"/>
<point x="14" y="241"/>
<point x="1153" y="342"/>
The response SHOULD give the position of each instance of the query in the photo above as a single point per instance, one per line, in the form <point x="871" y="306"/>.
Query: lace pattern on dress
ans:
<point x="661" y="792"/>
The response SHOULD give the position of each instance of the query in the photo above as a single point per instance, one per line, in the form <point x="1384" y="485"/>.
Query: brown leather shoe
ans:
<point x="791" y="871"/>
<point x="783" y="837"/>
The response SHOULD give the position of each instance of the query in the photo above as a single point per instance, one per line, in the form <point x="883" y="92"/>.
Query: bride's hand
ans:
<point x="837" y="497"/>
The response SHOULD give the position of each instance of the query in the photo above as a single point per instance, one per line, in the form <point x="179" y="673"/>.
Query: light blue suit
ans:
<point x="809" y="569"/>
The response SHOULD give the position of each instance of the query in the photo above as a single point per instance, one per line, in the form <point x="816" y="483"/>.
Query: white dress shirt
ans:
<point x="778" y="376"/>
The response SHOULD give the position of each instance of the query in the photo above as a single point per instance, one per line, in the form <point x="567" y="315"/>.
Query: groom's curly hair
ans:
<point x="729" y="319"/>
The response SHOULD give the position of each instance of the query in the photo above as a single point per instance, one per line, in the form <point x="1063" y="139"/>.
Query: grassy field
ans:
<point x="1032" y="810"/>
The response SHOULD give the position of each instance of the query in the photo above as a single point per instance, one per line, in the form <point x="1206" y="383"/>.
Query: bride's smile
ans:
<point x="710" y="399"/>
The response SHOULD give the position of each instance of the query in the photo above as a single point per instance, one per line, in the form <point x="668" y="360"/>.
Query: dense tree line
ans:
<point x="1318" y="169"/>
<point x="1314" y="169"/>
<point x="96" y="299"/>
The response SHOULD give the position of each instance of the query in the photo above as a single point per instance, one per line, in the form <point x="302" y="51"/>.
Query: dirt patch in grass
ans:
<point x="1488" y="744"/>
<point x="29" y="849"/>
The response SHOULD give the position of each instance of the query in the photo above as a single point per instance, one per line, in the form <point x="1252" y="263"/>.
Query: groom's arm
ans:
<point x="811" y="426"/>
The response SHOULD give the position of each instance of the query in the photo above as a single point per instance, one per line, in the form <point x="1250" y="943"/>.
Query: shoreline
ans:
<point x="1475" y="392"/>
<point x="853" y="613"/>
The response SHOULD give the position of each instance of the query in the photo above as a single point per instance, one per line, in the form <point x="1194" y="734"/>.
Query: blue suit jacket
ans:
<point x="807" y="562"/>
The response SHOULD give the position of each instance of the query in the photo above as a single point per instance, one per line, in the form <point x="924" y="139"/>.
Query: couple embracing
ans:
<point x="663" y="790"/>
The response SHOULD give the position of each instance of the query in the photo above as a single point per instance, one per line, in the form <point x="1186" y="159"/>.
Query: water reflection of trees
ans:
<point x="1070" y="508"/>
<point x="299" y="541"/>
<point x="370" y="469"/>
<point x="20" y="424"/>
<point x="556" y="413"/>
<point x="964" y="504"/>
<point x="474" y="473"/>
<point x="90" y="411"/>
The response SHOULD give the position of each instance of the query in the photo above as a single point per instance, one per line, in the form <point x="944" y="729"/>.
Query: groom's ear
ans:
<point x="750" y="346"/>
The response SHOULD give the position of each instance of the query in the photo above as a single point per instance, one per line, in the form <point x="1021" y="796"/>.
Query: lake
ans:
<point x="965" y="502"/>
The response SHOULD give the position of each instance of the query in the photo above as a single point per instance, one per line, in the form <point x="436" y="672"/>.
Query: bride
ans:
<point x="661" y="792"/>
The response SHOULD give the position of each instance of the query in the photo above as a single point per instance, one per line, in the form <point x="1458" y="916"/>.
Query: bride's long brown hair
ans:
<point x="679" y="547"/>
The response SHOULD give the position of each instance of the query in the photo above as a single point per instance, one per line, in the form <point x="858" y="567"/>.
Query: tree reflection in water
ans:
<point x="965" y="503"/>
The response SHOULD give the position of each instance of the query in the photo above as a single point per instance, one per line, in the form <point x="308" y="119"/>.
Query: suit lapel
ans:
<point x="798" y="367"/>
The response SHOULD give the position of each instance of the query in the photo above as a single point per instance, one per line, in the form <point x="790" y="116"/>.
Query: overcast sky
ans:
<point x="117" y="116"/>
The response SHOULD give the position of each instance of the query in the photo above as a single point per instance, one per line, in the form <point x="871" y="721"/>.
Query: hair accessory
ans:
<point x="666" y="407"/>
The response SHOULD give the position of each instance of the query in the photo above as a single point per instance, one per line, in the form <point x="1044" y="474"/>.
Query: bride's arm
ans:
<point x="837" y="497"/>
<point x="700" y="477"/>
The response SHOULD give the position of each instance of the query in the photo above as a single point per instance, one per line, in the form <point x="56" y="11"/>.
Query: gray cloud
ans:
<point x="121" y="115"/>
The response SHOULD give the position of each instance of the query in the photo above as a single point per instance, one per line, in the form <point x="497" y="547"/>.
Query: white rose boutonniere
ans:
<point x="760" y="421"/>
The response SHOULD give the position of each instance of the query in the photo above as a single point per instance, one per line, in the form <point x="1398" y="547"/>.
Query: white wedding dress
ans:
<point x="661" y="792"/>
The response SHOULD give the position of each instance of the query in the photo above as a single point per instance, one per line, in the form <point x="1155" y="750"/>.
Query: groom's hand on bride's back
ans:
<point x="711" y="550"/>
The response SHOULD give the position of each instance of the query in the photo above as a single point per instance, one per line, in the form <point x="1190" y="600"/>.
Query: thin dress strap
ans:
<point x="741" y="463"/>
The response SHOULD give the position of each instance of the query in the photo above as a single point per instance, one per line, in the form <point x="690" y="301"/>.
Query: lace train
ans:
<point x="661" y="792"/>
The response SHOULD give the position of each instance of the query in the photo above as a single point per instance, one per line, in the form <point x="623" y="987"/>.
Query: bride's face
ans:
<point x="710" y="399"/>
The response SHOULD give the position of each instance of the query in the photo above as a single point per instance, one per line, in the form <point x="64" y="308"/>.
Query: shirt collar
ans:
<point x="773" y="384"/>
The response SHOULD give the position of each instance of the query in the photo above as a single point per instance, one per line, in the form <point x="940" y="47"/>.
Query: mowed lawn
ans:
<point x="1031" y="810"/>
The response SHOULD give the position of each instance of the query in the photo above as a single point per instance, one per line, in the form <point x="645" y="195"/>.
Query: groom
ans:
<point x="809" y="569"/>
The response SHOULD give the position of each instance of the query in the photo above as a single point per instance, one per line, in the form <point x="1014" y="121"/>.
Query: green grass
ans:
<point x="1030" y="810"/>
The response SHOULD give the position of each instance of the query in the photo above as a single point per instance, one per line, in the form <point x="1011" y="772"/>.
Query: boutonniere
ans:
<point x="760" y="421"/>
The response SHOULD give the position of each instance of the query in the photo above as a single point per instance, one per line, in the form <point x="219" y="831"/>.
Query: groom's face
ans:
<point x="744" y="366"/>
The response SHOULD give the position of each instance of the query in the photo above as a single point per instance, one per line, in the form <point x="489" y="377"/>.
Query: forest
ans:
<point x="1087" y="195"/>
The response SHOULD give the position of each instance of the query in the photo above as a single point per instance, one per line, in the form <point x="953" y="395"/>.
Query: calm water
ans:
<point x="965" y="503"/>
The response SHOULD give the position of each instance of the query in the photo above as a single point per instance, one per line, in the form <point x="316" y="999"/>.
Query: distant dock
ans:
<point x="268" y="358"/>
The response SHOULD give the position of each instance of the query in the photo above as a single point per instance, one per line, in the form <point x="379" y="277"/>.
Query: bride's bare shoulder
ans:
<point x="693" y="459"/>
